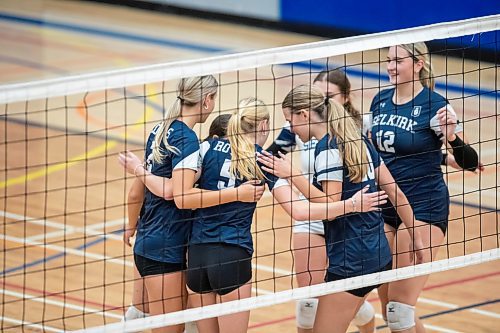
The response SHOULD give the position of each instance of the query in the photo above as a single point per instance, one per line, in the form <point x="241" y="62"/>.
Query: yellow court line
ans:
<point x="82" y="157"/>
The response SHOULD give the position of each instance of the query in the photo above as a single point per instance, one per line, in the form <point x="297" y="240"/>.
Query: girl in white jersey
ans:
<point x="308" y="236"/>
<point x="344" y="162"/>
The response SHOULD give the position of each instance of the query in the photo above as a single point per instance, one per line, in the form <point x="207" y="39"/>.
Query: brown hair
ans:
<point x="218" y="127"/>
<point x="340" y="79"/>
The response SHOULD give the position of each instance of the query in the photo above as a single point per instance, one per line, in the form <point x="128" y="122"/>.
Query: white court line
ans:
<point x="80" y="253"/>
<point x="33" y="240"/>
<point x="28" y="324"/>
<point x="65" y="229"/>
<point x="490" y="192"/>
<point x="259" y="291"/>
<point x="431" y="327"/>
<point x="455" y="306"/>
<point x="53" y="234"/>
<point x="42" y="299"/>
<point x="270" y="269"/>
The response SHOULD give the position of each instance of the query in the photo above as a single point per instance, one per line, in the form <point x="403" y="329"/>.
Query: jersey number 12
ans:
<point x="385" y="141"/>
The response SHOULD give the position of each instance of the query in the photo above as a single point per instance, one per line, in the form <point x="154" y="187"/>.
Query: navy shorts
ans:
<point x="147" y="267"/>
<point x="360" y="292"/>
<point x="391" y="218"/>
<point x="218" y="267"/>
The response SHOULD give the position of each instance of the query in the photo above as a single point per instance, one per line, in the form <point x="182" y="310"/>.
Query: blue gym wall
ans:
<point x="355" y="17"/>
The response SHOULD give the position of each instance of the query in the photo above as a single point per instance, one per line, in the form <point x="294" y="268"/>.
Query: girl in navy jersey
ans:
<point x="165" y="226"/>
<point x="410" y="124"/>
<point x="345" y="161"/>
<point x="140" y="307"/>
<point x="309" y="252"/>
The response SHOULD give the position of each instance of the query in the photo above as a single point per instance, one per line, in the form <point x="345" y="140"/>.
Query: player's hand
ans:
<point x="129" y="161"/>
<point x="416" y="250"/>
<point x="367" y="202"/>
<point x="280" y="166"/>
<point x="250" y="191"/>
<point x="127" y="234"/>
<point x="447" y="122"/>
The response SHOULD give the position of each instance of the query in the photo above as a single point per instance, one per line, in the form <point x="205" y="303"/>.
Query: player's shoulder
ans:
<point x="430" y="96"/>
<point x="179" y="129"/>
<point x="326" y="143"/>
<point x="384" y="95"/>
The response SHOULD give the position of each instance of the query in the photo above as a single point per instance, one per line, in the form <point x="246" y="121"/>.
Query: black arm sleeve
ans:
<point x="274" y="149"/>
<point x="465" y="156"/>
<point x="443" y="159"/>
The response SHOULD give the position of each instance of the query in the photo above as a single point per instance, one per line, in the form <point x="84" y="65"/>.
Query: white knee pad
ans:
<point x="400" y="316"/>
<point x="365" y="314"/>
<point x="305" y="312"/>
<point x="190" y="327"/>
<point x="134" y="313"/>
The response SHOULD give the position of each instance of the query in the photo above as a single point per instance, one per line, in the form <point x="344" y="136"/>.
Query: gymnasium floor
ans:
<point x="67" y="233"/>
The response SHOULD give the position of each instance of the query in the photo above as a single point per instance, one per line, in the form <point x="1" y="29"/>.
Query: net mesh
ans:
<point x="64" y="264"/>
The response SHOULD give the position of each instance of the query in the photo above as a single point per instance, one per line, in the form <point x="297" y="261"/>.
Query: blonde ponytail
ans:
<point x="190" y="91"/>
<point x="341" y="124"/>
<point x="419" y="51"/>
<point x="244" y="122"/>
<point x="351" y="145"/>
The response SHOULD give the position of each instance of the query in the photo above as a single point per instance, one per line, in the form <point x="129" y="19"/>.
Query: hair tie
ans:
<point x="327" y="100"/>
<point x="180" y="99"/>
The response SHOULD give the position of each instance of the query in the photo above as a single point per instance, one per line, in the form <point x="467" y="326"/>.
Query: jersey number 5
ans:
<point x="225" y="178"/>
<point x="385" y="141"/>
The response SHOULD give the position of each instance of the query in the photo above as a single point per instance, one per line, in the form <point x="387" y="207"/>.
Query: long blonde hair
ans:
<point x="244" y="121"/>
<point x="419" y="51"/>
<point x="190" y="91"/>
<point x="341" y="124"/>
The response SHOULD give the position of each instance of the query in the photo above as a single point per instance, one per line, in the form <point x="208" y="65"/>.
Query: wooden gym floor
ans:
<point x="63" y="193"/>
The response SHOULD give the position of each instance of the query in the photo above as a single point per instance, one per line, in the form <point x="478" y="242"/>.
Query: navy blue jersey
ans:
<point x="227" y="223"/>
<point x="356" y="243"/>
<point x="163" y="230"/>
<point x="409" y="139"/>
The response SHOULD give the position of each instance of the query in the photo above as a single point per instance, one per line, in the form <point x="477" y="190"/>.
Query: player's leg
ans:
<point x="165" y="293"/>
<point x="310" y="260"/>
<point x="365" y="318"/>
<point x="390" y="234"/>
<point x="238" y="322"/>
<point x="198" y="285"/>
<point x="335" y="312"/>
<point x="196" y="300"/>
<point x="230" y="276"/>
<point x="310" y="264"/>
<point x="403" y="294"/>
<point x="139" y="307"/>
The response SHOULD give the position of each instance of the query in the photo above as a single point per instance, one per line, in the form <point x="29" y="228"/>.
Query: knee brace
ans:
<point x="365" y="314"/>
<point x="190" y="327"/>
<point x="134" y="313"/>
<point x="305" y="312"/>
<point x="400" y="316"/>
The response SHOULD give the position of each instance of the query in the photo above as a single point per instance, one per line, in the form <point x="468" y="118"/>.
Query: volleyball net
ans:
<point x="63" y="201"/>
